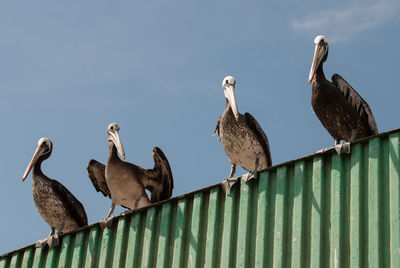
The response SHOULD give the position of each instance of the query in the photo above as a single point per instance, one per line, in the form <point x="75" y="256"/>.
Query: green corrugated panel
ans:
<point x="78" y="250"/>
<point x="120" y="243"/>
<point x="164" y="238"/>
<point x="280" y="194"/>
<point x="65" y="251"/>
<point x="4" y="262"/>
<point x="27" y="258"/>
<point x="394" y="185"/>
<point x="317" y="179"/>
<point x="134" y="245"/>
<point x="38" y="260"/>
<point x="194" y="239"/>
<point x="180" y="228"/>
<point x="262" y="242"/>
<point x="92" y="248"/>
<point x="243" y="226"/>
<point x="51" y="259"/>
<point x="212" y="235"/>
<point x="229" y="225"/>
<point x="16" y="260"/>
<point x="323" y="210"/>
<point x="298" y="214"/>
<point x="373" y="202"/>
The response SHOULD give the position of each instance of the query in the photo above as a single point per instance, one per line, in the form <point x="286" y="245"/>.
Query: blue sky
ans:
<point x="69" y="69"/>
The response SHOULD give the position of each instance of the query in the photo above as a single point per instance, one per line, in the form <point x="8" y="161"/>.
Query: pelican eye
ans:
<point x="226" y="81"/>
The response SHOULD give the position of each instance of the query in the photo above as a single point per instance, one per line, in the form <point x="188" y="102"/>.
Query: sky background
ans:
<point x="69" y="69"/>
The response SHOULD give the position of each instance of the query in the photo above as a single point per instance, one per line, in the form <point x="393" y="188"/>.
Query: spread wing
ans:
<point x="261" y="137"/>
<point x="72" y="205"/>
<point x="356" y="101"/>
<point x="159" y="180"/>
<point x="97" y="174"/>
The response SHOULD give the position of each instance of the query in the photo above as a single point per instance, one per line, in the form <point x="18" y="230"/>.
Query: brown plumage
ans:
<point x="243" y="140"/>
<point x="56" y="204"/>
<point x="241" y="136"/>
<point x="341" y="110"/>
<point x="125" y="183"/>
<point x="158" y="180"/>
<point x="97" y="174"/>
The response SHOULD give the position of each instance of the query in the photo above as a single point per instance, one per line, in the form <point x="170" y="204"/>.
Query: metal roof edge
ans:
<point x="192" y="193"/>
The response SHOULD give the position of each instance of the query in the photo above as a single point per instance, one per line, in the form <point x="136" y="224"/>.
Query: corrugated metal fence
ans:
<point x="320" y="211"/>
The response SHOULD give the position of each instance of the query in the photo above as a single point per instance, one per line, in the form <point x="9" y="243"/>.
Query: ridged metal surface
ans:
<point x="319" y="211"/>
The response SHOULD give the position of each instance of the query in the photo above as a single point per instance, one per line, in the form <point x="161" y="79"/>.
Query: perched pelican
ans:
<point x="244" y="141"/>
<point x="125" y="183"/>
<point x="341" y="110"/>
<point x="57" y="206"/>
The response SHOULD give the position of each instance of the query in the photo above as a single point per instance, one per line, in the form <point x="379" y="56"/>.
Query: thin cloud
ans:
<point x="342" y="24"/>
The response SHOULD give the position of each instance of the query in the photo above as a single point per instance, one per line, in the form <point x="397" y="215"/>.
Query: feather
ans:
<point x="216" y="131"/>
<point x="72" y="205"/>
<point x="159" y="180"/>
<point x="96" y="173"/>
<point x="356" y="101"/>
<point x="261" y="137"/>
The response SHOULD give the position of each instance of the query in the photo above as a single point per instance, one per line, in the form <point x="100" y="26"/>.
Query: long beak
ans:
<point x="318" y="55"/>
<point x="232" y="101"/>
<point x="118" y="144"/>
<point x="35" y="157"/>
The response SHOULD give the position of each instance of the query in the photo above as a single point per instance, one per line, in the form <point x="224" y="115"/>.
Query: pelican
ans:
<point x="341" y="110"/>
<point x="242" y="138"/>
<point x="57" y="206"/>
<point x="125" y="183"/>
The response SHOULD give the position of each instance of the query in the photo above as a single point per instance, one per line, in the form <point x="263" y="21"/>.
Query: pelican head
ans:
<point x="320" y="55"/>
<point x="113" y="137"/>
<point x="44" y="149"/>
<point x="228" y="84"/>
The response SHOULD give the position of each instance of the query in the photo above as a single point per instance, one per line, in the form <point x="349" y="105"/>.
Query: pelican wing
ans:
<point x="159" y="180"/>
<point x="261" y="137"/>
<point x="356" y="101"/>
<point x="96" y="173"/>
<point x="72" y="205"/>
<point x="216" y="131"/>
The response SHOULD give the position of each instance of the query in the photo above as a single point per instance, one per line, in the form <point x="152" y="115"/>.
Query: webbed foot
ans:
<point x="53" y="241"/>
<point x="126" y="212"/>
<point x="343" y="148"/>
<point x="228" y="183"/>
<point x="41" y="243"/>
<point x="250" y="175"/>
<point x="254" y="173"/>
<point x="106" y="222"/>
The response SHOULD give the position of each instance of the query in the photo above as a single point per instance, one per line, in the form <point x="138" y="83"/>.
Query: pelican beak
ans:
<point x="115" y="139"/>
<point x="230" y="94"/>
<point x="35" y="157"/>
<point x="318" y="55"/>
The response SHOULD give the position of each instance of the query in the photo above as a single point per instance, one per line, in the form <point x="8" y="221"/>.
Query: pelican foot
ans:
<point x="250" y="175"/>
<point x="106" y="222"/>
<point x="53" y="241"/>
<point x="343" y="148"/>
<point x="41" y="243"/>
<point x="228" y="183"/>
<point x="126" y="212"/>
